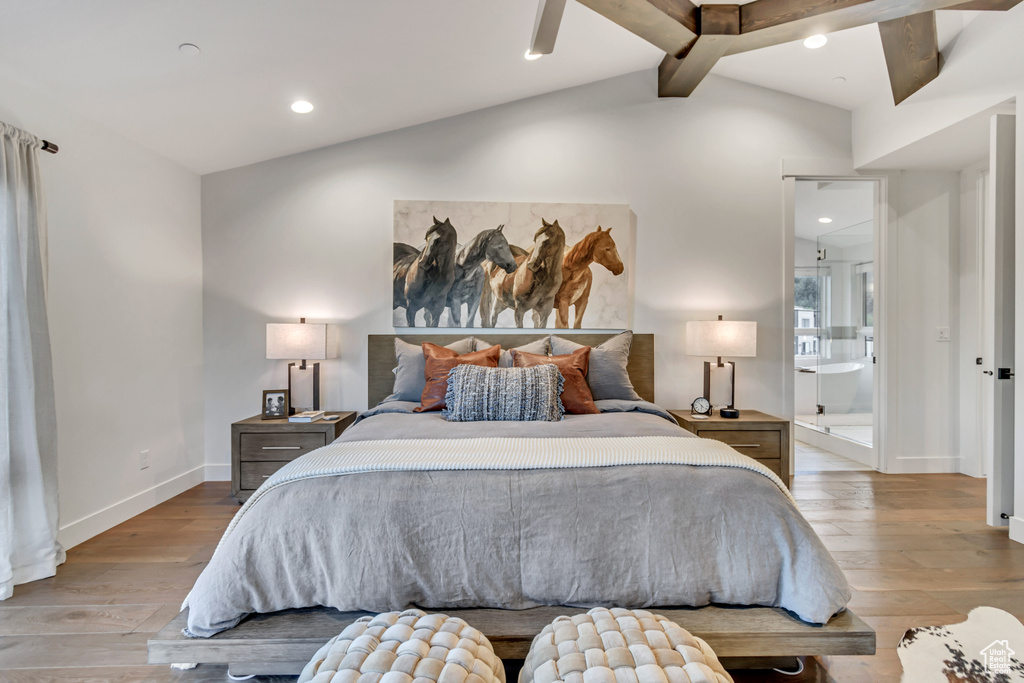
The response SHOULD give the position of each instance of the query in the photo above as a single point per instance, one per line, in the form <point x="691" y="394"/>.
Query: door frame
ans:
<point x="885" y="246"/>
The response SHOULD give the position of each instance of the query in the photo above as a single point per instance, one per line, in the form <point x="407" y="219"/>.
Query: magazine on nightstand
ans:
<point x="307" y="416"/>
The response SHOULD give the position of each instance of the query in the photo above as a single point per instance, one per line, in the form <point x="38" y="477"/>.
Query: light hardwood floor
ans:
<point x="915" y="547"/>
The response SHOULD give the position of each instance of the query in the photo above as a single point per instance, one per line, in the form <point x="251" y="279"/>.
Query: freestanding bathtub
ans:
<point x="834" y="386"/>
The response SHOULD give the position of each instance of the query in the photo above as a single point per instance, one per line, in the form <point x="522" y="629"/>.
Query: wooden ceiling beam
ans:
<point x="694" y="39"/>
<point x="772" y="22"/>
<point x="756" y="16"/>
<point x="719" y="26"/>
<point x="671" y="25"/>
<point x="911" y="47"/>
<point x="986" y="5"/>
<point x="545" y="28"/>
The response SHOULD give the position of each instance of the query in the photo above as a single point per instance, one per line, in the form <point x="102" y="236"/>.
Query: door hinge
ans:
<point x="1004" y="373"/>
<point x="874" y="359"/>
<point x="821" y="409"/>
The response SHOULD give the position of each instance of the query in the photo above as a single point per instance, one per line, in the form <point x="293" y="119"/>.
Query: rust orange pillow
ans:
<point x="439" y="362"/>
<point x="576" y="396"/>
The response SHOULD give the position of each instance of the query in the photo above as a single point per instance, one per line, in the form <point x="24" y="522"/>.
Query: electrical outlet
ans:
<point x="942" y="334"/>
<point x="143" y="459"/>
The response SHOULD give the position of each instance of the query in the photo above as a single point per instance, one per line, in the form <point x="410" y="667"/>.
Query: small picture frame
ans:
<point x="275" y="404"/>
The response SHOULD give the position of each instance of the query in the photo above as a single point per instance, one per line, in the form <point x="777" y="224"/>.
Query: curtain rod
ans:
<point x="49" y="147"/>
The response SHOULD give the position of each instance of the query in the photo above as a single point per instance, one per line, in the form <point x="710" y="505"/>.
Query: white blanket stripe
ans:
<point x="503" y="453"/>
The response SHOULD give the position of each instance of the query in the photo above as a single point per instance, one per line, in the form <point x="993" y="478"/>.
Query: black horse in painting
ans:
<point x="488" y="245"/>
<point x="423" y="279"/>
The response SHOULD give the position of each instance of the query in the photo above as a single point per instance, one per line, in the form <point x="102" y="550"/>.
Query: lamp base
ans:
<point x="719" y="383"/>
<point x="316" y="386"/>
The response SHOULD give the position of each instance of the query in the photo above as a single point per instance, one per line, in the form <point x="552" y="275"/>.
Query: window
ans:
<point x="807" y="310"/>
<point x="864" y="274"/>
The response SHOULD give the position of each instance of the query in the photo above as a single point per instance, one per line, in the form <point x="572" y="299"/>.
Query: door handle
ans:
<point x="986" y="372"/>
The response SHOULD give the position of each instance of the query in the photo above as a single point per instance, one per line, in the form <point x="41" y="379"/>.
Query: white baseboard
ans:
<point x="1017" y="529"/>
<point x="218" y="473"/>
<point x="925" y="465"/>
<point x="81" y="530"/>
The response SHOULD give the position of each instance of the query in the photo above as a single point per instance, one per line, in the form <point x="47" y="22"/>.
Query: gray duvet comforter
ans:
<point x="632" y="536"/>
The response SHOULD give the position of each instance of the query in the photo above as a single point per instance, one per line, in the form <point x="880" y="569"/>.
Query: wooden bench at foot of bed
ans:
<point x="283" y="642"/>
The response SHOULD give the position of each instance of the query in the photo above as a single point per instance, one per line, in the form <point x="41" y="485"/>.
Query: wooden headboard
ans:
<point x="381" y="354"/>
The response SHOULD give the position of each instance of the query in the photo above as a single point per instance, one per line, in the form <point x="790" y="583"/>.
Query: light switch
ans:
<point x="942" y="334"/>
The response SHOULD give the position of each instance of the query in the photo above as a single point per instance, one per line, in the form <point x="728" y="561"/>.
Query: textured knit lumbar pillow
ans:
<point x="520" y="394"/>
<point x="402" y="647"/>
<point x="576" y="397"/>
<point x="439" y="362"/>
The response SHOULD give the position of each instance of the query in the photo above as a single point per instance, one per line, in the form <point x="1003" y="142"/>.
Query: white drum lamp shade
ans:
<point x="718" y="338"/>
<point x="296" y="341"/>
<point x="299" y="341"/>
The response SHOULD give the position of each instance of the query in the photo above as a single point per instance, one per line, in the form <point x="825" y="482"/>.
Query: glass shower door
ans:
<point x="845" y="370"/>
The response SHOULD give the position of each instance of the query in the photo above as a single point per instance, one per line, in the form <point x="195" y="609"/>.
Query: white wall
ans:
<point x="310" y="235"/>
<point x="925" y="239"/>
<point x="125" y="311"/>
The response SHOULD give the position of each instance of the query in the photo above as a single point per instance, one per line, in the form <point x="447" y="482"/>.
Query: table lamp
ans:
<point x="718" y="338"/>
<point x="302" y="341"/>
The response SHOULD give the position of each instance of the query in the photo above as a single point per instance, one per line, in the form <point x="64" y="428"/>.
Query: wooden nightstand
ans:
<point x="763" y="437"/>
<point x="261" y="447"/>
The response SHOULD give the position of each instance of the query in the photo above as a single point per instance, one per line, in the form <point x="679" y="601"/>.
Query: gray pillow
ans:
<point x="607" y="374"/>
<point x="540" y="346"/>
<point x="410" y="374"/>
<point x="478" y="394"/>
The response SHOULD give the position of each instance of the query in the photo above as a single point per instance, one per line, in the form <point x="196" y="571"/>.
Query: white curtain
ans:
<point x="28" y="424"/>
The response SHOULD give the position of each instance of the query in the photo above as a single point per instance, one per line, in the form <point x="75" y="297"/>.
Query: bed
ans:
<point x="538" y="533"/>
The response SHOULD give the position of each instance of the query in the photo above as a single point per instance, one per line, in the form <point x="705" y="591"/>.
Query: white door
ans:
<point x="1000" y="254"/>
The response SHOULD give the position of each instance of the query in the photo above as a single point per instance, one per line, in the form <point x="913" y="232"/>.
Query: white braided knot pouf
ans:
<point x="620" y="646"/>
<point x="406" y="647"/>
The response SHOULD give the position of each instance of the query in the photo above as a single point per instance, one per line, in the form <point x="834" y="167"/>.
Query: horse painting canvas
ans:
<point x="505" y="264"/>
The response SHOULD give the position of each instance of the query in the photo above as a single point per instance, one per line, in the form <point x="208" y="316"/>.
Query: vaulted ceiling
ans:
<point x="369" y="67"/>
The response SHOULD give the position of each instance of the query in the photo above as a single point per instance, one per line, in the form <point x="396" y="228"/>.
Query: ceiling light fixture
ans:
<point x="302" y="107"/>
<point x="839" y="80"/>
<point x="188" y="49"/>
<point x="824" y="219"/>
<point x="530" y="56"/>
<point x="816" y="41"/>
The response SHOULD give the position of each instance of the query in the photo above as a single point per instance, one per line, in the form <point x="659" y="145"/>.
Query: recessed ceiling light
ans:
<point x="188" y="49"/>
<point x="839" y="80"/>
<point x="302" y="107"/>
<point x="814" y="42"/>
<point x="530" y="56"/>
<point x="824" y="219"/>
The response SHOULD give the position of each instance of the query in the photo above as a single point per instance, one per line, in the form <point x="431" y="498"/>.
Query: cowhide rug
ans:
<point x="987" y="648"/>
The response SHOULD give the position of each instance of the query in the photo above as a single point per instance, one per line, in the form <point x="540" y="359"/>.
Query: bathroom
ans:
<point x="834" y="337"/>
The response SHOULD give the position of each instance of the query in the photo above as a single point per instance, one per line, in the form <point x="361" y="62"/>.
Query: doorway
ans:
<point x="836" y="229"/>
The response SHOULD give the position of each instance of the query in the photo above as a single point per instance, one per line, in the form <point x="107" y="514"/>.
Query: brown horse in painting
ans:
<point x="576" y="275"/>
<point x="423" y="279"/>
<point x="533" y="285"/>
